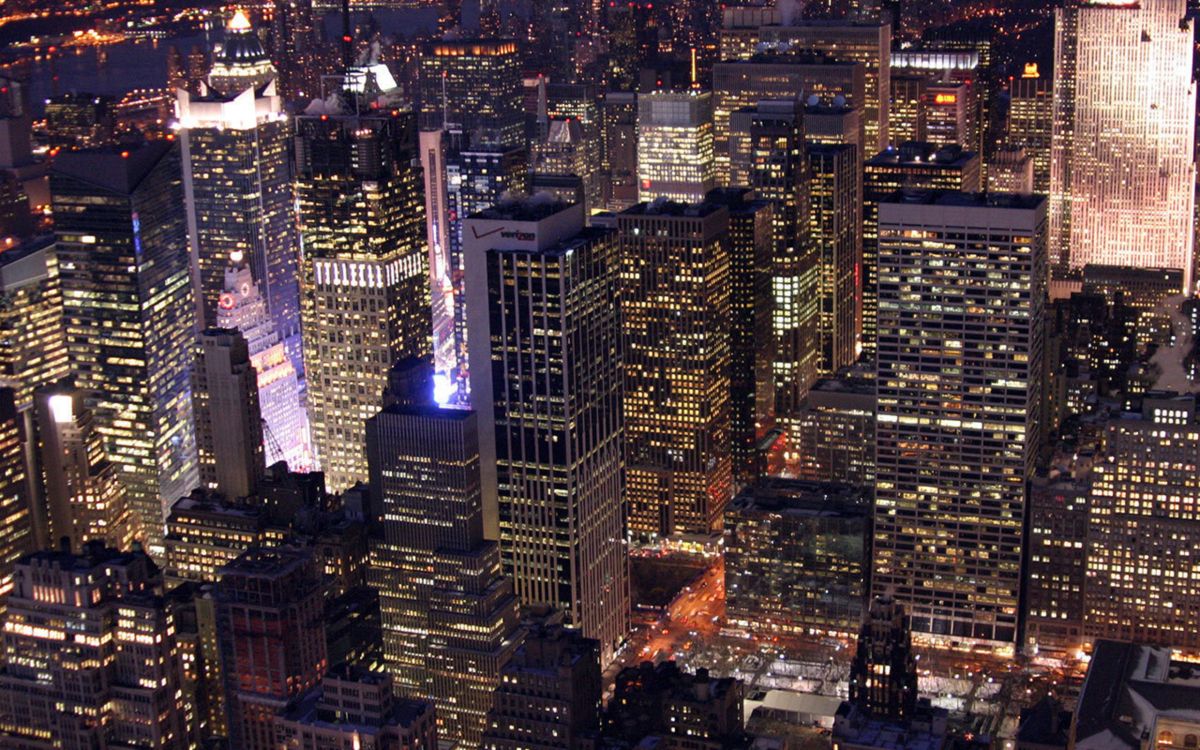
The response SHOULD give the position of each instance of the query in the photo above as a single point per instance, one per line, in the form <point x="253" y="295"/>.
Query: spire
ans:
<point x="238" y="23"/>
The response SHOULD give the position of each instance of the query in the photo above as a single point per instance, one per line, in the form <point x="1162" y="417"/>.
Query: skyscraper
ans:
<point x="745" y="83"/>
<point x="470" y="90"/>
<point x="116" y="211"/>
<point x="448" y="634"/>
<point x="229" y="431"/>
<point x="835" y="228"/>
<point x="16" y="517"/>
<point x="285" y="422"/>
<point x="84" y="497"/>
<point x="295" y="49"/>
<point x="1122" y="167"/>
<point x="270" y="608"/>
<point x="234" y="142"/>
<point x="868" y="42"/>
<point x="777" y="165"/>
<point x="544" y="292"/>
<point x="1143" y="523"/>
<point x="751" y="344"/>
<point x="915" y="166"/>
<point x="118" y="681"/>
<point x="907" y="108"/>
<point x="675" y="286"/>
<point x="675" y="146"/>
<point x="365" y="281"/>
<point x="33" y="349"/>
<point x="1031" y="122"/>
<point x="549" y="693"/>
<point x="960" y="372"/>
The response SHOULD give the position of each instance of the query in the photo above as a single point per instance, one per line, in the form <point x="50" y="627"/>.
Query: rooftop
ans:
<point x="954" y="199"/>
<point x="923" y="154"/>
<point x="797" y="497"/>
<point x="1127" y="689"/>
<point x="664" y="207"/>
<point x="118" y="169"/>
<point x="531" y="208"/>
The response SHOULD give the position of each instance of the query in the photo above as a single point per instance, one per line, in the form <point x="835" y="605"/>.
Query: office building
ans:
<point x="269" y="608"/>
<point x="1130" y="65"/>
<point x="355" y="708"/>
<point x="835" y="228"/>
<point x="115" y="210"/>
<point x="118" y="683"/>
<point x="866" y="42"/>
<point x="776" y="164"/>
<point x="620" y="116"/>
<point x="446" y="635"/>
<point x="744" y="83"/>
<point x="284" y="421"/>
<point x="796" y="558"/>
<point x="829" y="122"/>
<point x="907" y="110"/>
<point x="205" y="533"/>
<point x="33" y="347"/>
<point x="675" y="146"/>
<point x="663" y="705"/>
<point x="366" y="288"/>
<point x="1133" y="691"/>
<point x="229" y="430"/>
<point x="79" y="120"/>
<point x="752" y="385"/>
<point x="16" y="514"/>
<point x="473" y="87"/>
<point x="1056" y="570"/>
<point x="1143" y="526"/>
<point x="1010" y="171"/>
<point x="544" y="292"/>
<point x="675" y="287"/>
<point x="950" y="113"/>
<point x="836" y="433"/>
<point x="84" y="498"/>
<point x="914" y="166"/>
<point x="1031" y="122"/>
<point x="549" y="693"/>
<point x="236" y="150"/>
<point x="946" y="450"/>
<point x="883" y="675"/>
<point x="295" y="49"/>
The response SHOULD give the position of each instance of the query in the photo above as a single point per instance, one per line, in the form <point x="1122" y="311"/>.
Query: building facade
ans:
<point x="675" y="285"/>
<point x="1123" y="98"/>
<point x="365" y="280"/>
<point x="115" y="210"/>
<point x="953" y="458"/>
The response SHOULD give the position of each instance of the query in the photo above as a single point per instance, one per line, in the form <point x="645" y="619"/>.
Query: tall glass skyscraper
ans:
<point x="1122" y="166"/>
<point x="122" y="249"/>
<point x="237" y="181"/>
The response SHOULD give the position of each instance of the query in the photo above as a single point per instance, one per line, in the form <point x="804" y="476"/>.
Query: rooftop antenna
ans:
<point x="346" y="38"/>
<point x="695" y="85"/>
<point x="445" y="104"/>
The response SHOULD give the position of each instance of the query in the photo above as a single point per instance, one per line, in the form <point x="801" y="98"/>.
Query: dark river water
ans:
<point x="142" y="63"/>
